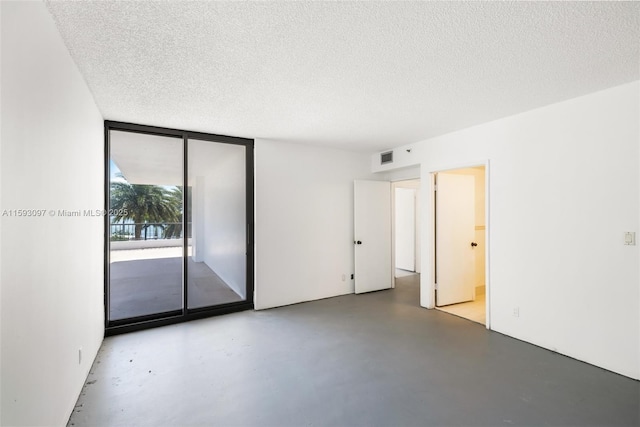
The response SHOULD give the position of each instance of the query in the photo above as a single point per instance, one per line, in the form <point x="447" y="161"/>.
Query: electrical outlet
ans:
<point x="630" y="238"/>
<point x="351" y="276"/>
<point x="516" y="312"/>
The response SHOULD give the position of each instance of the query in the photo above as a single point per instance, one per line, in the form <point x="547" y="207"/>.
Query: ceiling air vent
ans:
<point x="386" y="158"/>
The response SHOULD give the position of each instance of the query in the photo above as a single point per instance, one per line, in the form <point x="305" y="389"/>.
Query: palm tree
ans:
<point x="173" y="230"/>
<point x="144" y="204"/>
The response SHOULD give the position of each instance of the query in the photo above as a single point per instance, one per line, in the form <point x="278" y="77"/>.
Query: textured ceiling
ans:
<point x="359" y="75"/>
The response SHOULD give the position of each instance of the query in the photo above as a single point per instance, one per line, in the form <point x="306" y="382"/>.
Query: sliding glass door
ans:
<point x="145" y="225"/>
<point x="217" y="262"/>
<point x="178" y="225"/>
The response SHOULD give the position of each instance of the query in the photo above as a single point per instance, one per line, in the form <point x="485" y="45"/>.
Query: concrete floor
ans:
<point x="154" y="285"/>
<point x="376" y="359"/>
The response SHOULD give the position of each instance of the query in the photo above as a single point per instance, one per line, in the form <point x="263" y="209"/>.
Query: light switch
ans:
<point x="630" y="238"/>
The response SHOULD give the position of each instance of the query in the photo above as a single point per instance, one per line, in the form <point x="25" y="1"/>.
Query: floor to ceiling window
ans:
<point x="178" y="225"/>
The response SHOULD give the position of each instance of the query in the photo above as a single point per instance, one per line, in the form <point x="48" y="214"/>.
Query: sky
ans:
<point x="113" y="172"/>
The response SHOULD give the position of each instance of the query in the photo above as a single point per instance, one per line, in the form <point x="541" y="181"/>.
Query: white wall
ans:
<point x="1" y="118"/>
<point x="52" y="267"/>
<point x="304" y="221"/>
<point x="563" y="187"/>
<point x="225" y="248"/>
<point x="404" y="214"/>
<point x="412" y="184"/>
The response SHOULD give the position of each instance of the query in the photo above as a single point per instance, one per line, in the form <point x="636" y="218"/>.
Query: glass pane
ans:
<point x="216" y="218"/>
<point x="146" y="240"/>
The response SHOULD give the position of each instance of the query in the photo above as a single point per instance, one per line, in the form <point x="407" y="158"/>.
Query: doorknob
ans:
<point x="358" y="242"/>
<point x="474" y="244"/>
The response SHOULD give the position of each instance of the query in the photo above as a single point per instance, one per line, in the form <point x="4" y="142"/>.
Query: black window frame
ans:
<point x="185" y="314"/>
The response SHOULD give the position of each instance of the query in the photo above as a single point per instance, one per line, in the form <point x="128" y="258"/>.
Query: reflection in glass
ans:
<point x="216" y="215"/>
<point x="146" y="240"/>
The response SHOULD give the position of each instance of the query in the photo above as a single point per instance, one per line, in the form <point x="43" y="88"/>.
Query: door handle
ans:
<point x="357" y="242"/>
<point x="474" y="244"/>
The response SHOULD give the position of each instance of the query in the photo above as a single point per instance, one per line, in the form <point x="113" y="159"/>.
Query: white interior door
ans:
<point x="455" y="231"/>
<point x="372" y="235"/>
<point x="405" y="227"/>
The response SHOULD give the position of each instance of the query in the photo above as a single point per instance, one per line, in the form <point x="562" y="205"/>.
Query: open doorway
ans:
<point x="406" y="237"/>
<point x="460" y="243"/>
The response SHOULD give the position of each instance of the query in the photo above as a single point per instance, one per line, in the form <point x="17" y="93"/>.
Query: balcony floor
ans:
<point x="149" y="281"/>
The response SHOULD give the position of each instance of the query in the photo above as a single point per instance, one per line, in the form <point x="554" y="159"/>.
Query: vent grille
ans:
<point x="386" y="157"/>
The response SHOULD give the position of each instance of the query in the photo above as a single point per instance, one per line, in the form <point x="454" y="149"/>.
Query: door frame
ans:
<point x="427" y="282"/>
<point x="184" y="314"/>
